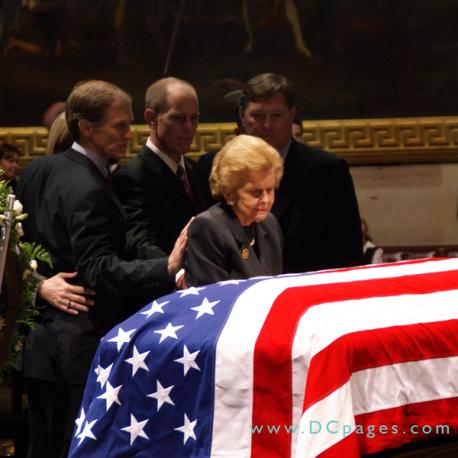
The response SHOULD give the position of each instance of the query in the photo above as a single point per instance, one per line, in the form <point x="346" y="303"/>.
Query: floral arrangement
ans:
<point x="16" y="319"/>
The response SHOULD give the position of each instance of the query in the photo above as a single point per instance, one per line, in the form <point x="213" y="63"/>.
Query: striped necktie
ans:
<point x="181" y="174"/>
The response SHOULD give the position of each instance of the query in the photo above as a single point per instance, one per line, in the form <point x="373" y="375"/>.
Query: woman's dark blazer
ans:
<point x="216" y="241"/>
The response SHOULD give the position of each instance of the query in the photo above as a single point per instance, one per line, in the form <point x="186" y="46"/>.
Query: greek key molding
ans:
<point x="387" y="141"/>
<point x="359" y="141"/>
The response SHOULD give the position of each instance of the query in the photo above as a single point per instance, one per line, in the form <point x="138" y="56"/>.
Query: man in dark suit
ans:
<point x="74" y="214"/>
<point x="161" y="189"/>
<point x="315" y="204"/>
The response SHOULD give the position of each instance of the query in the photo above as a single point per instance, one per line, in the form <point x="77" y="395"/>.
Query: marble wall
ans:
<point x="409" y="204"/>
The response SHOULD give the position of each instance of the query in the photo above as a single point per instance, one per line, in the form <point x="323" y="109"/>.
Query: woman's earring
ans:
<point x="230" y="202"/>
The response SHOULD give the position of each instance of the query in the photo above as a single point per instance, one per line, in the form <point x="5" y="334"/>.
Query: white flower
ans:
<point x="33" y="265"/>
<point x="19" y="229"/>
<point x="17" y="207"/>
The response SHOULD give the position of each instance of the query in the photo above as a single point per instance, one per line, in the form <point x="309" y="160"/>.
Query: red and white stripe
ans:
<point x="307" y="347"/>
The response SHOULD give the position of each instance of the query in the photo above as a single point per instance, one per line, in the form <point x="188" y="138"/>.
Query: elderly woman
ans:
<point x="238" y="237"/>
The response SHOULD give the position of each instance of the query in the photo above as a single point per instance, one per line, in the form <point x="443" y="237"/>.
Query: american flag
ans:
<point x="336" y="363"/>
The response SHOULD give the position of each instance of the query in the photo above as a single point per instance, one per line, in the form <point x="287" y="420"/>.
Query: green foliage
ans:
<point x="27" y="257"/>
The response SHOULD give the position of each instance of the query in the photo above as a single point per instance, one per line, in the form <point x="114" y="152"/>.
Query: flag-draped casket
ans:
<point x="336" y="363"/>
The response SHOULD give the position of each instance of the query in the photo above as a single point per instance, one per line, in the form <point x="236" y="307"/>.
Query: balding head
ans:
<point x="156" y="97"/>
<point x="172" y="112"/>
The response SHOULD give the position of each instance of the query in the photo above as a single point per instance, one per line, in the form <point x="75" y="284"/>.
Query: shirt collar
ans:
<point x="171" y="164"/>
<point x="284" y="151"/>
<point x="93" y="157"/>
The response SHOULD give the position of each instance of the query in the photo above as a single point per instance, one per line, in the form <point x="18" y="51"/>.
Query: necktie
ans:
<point x="185" y="182"/>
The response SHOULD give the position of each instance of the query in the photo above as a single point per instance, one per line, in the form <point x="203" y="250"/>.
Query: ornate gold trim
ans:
<point x="359" y="141"/>
<point x="387" y="141"/>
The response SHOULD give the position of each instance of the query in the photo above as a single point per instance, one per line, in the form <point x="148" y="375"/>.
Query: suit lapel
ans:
<point x="166" y="179"/>
<point x="264" y="248"/>
<point x="76" y="156"/>
<point x="200" y="195"/>
<point x="292" y="178"/>
<point x="234" y="225"/>
<point x="85" y="162"/>
<point x="253" y="263"/>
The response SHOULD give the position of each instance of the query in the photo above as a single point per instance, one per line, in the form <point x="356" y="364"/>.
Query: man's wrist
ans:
<point x="40" y="286"/>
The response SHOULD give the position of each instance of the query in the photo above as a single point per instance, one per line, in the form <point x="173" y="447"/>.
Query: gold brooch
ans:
<point x="245" y="253"/>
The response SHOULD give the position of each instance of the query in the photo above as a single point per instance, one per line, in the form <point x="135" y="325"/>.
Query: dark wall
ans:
<point x="369" y="58"/>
